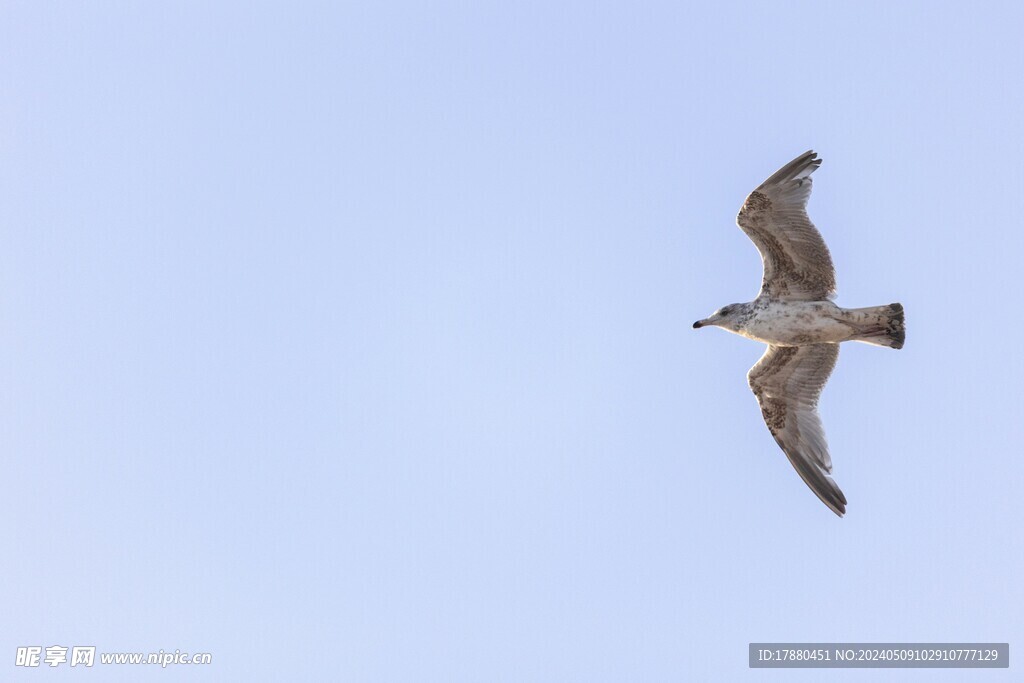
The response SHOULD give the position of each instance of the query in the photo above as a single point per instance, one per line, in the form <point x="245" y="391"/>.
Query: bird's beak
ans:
<point x="699" y="324"/>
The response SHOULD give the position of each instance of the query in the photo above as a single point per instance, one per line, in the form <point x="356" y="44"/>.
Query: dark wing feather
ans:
<point x="797" y="263"/>
<point x="787" y="382"/>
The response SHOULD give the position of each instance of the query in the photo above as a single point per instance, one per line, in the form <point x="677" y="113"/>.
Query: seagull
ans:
<point x="794" y="315"/>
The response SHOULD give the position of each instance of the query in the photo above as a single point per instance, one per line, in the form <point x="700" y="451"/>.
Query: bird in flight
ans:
<point x="794" y="315"/>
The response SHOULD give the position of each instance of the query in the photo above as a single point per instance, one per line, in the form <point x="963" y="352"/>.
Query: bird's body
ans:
<point x="795" y="323"/>
<point x="795" y="316"/>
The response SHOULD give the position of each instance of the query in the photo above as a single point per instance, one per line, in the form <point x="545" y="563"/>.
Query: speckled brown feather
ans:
<point x="797" y="263"/>
<point x="787" y="382"/>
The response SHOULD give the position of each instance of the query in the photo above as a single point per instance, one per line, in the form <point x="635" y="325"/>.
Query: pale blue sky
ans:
<point x="352" y="342"/>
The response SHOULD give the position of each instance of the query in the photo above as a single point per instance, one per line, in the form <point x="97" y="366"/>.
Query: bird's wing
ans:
<point x="797" y="264"/>
<point x="787" y="382"/>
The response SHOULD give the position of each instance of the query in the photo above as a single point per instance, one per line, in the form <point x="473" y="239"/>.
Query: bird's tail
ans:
<point x="879" y="325"/>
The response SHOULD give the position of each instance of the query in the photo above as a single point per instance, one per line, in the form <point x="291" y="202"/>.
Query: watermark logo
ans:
<point x="85" y="655"/>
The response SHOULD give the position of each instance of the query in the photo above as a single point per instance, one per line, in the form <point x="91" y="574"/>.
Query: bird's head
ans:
<point x="726" y="317"/>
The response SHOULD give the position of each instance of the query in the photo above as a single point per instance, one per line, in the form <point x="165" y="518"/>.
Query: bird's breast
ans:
<point x="796" y="324"/>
